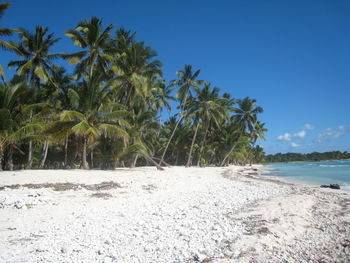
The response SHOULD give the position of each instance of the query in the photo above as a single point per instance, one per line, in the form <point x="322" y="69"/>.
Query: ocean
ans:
<point x="313" y="173"/>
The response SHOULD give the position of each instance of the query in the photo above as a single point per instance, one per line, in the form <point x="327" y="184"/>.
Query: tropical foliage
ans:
<point x="307" y="157"/>
<point x="111" y="111"/>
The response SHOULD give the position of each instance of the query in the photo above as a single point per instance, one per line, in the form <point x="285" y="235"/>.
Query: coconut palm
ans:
<point x="206" y="107"/>
<point x="36" y="60"/>
<point x="245" y="120"/>
<point x="213" y="110"/>
<point x="136" y="73"/>
<point x="97" y="47"/>
<point x="186" y="82"/>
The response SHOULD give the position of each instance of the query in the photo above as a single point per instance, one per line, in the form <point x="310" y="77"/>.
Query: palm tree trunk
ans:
<point x="1" y="156"/>
<point x="189" y="161"/>
<point x="135" y="161"/>
<point x="92" y="159"/>
<point x="66" y="151"/>
<point x="177" y="157"/>
<point x="30" y="155"/>
<point x="160" y="122"/>
<point x="30" y="147"/>
<point x="230" y="152"/>
<point x="168" y="143"/>
<point x="202" y="146"/>
<point x="155" y="163"/>
<point x="9" y="164"/>
<point x="85" y="163"/>
<point x="45" y="149"/>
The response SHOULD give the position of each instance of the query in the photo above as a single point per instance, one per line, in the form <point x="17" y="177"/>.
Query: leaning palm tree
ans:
<point x="186" y="82"/>
<point x="213" y="111"/>
<point x="245" y="120"/>
<point x="206" y="107"/>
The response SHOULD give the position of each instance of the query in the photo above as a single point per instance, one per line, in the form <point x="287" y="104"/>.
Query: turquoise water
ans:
<point x="315" y="173"/>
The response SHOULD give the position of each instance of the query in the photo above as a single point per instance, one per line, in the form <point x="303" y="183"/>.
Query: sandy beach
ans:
<point x="229" y="214"/>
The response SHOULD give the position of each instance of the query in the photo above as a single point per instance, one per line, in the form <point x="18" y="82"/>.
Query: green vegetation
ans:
<point x="307" y="157"/>
<point x="109" y="112"/>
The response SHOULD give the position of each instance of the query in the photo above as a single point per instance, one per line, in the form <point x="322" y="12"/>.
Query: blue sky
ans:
<point x="292" y="56"/>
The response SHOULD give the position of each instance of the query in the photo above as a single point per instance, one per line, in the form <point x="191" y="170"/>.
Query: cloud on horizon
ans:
<point x="300" y="134"/>
<point x="331" y="134"/>
<point x="285" y="137"/>
<point x="294" y="145"/>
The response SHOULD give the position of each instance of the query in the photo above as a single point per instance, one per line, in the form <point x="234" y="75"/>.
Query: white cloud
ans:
<point x="285" y="137"/>
<point x="308" y="126"/>
<point x="294" y="145"/>
<point x="331" y="134"/>
<point x="300" y="134"/>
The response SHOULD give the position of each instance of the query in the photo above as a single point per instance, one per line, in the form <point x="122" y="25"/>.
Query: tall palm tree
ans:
<point x="206" y="107"/>
<point x="245" y="120"/>
<point x="213" y="111"/>
<point x="186" y="82"/>
<point x="36" y="61"/>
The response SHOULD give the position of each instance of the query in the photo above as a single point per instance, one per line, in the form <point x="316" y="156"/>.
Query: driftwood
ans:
<point x="162" y="161"/>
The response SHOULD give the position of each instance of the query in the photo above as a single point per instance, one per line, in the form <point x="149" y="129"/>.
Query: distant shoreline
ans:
<point x="308" y="161"/>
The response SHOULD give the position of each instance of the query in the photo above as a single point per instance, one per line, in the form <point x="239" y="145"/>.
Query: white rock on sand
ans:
<point x="177" y="215"/>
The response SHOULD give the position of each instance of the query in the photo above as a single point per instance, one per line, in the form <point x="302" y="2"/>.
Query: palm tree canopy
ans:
<point x="187" y="81"/>
<point x="246" y="114"/>
<point x="34" y="49"/>
<point x="96" y="43"/>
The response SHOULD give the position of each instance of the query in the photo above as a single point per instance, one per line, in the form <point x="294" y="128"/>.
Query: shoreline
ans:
<point x="308" y="161"/>
<point x="344" y="186"/>
<point x="225" y="214"/>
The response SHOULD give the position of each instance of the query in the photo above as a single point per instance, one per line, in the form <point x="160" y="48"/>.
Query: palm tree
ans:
<point x="245" y="120"/>
<point x="136" y="73"/>
<point x="13" y="114"/>
<point x="90" y="126"/>
<point x="213" y="111"/>
<point x="34" y="49"/>
<point x="187" y="82"/>
<point x="144" y="125"/>
<point x="206" y="107"/>
<point x="94" y="116"/>
<point x="161" y="99"/>
<point x="61" y="95"/>
<point x="97" y="47"/>
<point x="36" y="63"/>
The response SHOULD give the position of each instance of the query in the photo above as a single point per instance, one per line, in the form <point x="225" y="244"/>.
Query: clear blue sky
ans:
<point x="292" y="56"/>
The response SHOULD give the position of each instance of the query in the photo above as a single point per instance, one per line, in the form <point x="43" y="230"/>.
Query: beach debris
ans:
<point x="332" y="186"/>
<point x="101" y="195"/>
<point x="65" y="186"/>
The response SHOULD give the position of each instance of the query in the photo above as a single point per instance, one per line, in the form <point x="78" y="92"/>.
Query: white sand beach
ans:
<point x="229" y="214"/>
